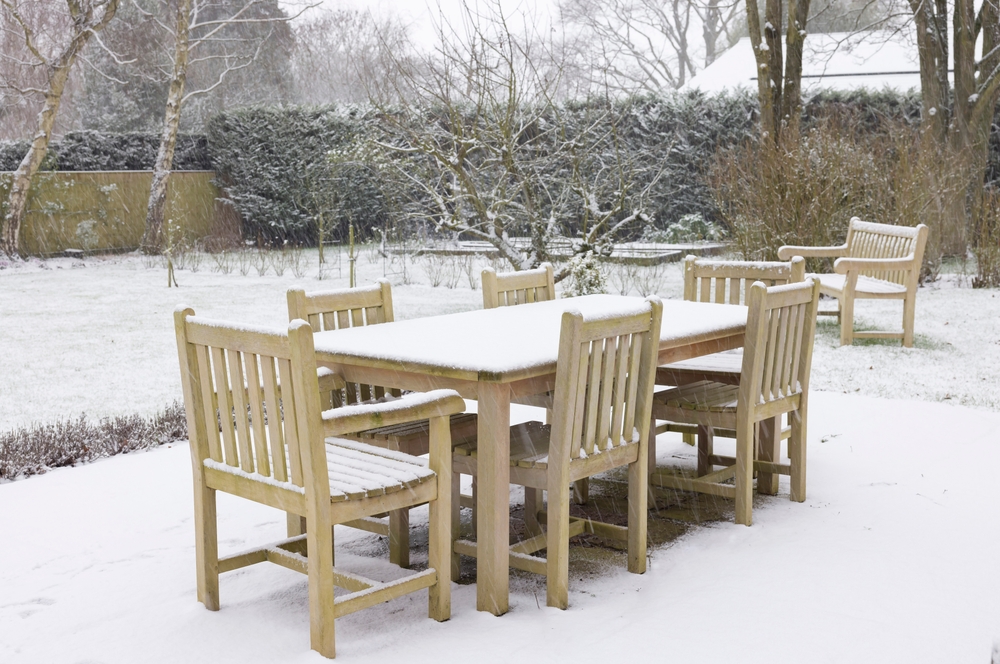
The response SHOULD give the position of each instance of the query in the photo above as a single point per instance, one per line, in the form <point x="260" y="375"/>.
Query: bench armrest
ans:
<point x="845" y="265"/>
<point x="788" y="251"/>
<point x="408" y="408"/>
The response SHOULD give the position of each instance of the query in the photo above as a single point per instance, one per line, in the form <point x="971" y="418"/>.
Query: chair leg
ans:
<point x="557" y="540"/>
<point x="846" y="321"/>
<point x="321" y="617"/>
<point x="399" y="537"/>
<point x="439" y="544"/>
<point x="638" y="511"/>
<point x="909" y="311"/>
<point x="705" y="441"/>
<point x="581" y="491"/>
<point x="206" y="546"/>
<point x="797" y="455"/>
<point x="744" y="472"/>
<point x="456" y="523"/>
<point x="688" y="439"/>
<point x="769" y="450"/>
<point x="532" y="504"/>
<point x="475" y="504"/>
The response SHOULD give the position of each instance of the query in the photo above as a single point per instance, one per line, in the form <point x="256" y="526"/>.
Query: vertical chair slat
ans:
<point x="210" y="403"/>
<point x="371" y="316"/>
<point x="791" y="326"/>
<point x="634" y="360"/>
<point x="279" y="464"/>
<point x="314" y="321"/>
<point x="621" y="390"/>
<point x="734" y="291"/>
<point x="706" y="290"/>
<point x="592" y="386"/>
<point x="343" y="319"/>
<point x="329" y="322"/>
<point x="257" y="415"/>
<point x="580" y="394"/>
<point x="720" y="290"/>
<point x="779" y="354"/>
<point x="237" y="382"/>
<point x="768" y="353"/>
<point x="292" y="439"/>
<point x="607" y="392"/>
<point x="225" y="400"/>
<point x="357" y="318"/>
<point x="797" y="350"/>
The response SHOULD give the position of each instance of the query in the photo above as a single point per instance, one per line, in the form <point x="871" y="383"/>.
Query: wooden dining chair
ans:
<point x="511" y="288"/>
<point x="721" y="282"/>
<point x="357" y="307"/>
<point x="603" y="390"/>
<point x="774" y="379"/>
<point x="258" y="431"/>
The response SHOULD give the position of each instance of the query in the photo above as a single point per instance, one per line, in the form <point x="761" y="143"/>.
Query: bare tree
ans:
<point x="478" y="146"/>
<point x="650" y="45"/>
<point x="340" y="53"/>
<point x="200" y="31"/>
<point x="53" y="51"/>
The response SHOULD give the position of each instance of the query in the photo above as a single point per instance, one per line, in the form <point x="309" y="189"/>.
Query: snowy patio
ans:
<point x="891" y="558"/>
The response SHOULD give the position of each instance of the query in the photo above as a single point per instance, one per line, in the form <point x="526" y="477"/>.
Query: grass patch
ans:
<point x="34" y="449"/>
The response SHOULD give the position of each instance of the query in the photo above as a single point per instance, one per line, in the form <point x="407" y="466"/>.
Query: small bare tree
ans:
<point x="53" y="50"/>
<point x="200" y="31"/>
<point x="479" y="147"/>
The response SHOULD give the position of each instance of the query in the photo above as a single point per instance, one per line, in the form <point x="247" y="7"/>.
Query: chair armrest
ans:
<point x="408" y="408"/>
<point x="845" y="265"/>
<point x="329" y="380"/>
<point x="788" y="251"/>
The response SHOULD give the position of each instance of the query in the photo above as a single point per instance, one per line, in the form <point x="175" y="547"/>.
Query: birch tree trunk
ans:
<point x="84" y="25"/>
<point x="152" y="240"/>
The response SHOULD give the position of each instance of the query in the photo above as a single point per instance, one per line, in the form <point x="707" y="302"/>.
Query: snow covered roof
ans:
<point x="837" y="61"/>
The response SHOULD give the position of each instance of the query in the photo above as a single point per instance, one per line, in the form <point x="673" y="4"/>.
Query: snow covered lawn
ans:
<point x="893" y="558"/>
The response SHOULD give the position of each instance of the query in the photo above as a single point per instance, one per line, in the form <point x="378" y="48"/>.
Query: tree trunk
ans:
<point x="18" y="200"/>
<point x="152" y="240"/>
<point x="791" y="98"/>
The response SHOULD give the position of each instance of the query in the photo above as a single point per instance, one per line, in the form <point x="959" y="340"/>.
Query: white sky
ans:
<point x="421" y="14"/>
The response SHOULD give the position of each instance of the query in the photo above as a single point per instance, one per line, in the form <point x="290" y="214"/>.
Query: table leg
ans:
<point x="493" y="498"/>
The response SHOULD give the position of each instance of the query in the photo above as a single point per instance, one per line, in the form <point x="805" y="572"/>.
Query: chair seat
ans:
<point x="724" y="367"/>
<point x="366" y="471"/>
<point x="529" y="445"/>
<point x="832" y="284"/>
<point x="704" y="396"/>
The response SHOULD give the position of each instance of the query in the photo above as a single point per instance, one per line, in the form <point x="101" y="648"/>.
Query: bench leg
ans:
<point x="909" y="311"/>
<point x="797" y="454"/>
<point x="705" y="440"/>
<point x="456" y="523"/>
<point x="206" y="547"/>
<point x="846" y="320"/>
<point x="532" y="504"/>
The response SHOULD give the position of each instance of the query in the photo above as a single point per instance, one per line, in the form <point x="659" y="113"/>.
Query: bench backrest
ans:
<point x="777" y="357"/>
<point x="343" y="308"/>
<point x="604" y="381"/>
<point x="870" y="240"/>
<point x="238" y="393"/>
<point x="728" y="282"/>
<point x="511" y="288"/>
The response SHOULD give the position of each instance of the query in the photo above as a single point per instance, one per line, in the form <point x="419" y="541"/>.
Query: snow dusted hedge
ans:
<point x="99" y="151"/>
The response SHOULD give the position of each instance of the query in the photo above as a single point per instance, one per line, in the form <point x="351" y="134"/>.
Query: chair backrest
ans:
<point x="511" y="288"/>
<point x="344" y="308"/>
<point x="870" y="240"/>
<point x="777" y="355"/>
<point x="728" y="282"/>
<point x="239" y="396"/>
<point x="341" y="308"/>
<point x="604" y="381"/>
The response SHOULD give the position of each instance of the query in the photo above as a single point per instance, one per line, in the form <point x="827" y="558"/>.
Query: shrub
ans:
<point x="100" y="151"/>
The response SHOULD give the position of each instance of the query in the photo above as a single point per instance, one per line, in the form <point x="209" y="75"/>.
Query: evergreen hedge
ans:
<point x="100" y="151"/>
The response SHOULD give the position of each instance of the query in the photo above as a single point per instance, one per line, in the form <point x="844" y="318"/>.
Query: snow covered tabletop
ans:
<point x="510" y="343"/>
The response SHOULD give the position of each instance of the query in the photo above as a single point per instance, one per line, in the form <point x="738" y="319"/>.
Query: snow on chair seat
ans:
<point x="867" y="285"/>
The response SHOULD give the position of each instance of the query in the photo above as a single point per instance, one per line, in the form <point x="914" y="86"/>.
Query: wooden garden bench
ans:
<point x="877" y="262"/>
<point x="258" y="431"/>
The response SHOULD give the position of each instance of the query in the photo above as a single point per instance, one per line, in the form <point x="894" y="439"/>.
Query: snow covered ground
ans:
<point x="893" y="557"/>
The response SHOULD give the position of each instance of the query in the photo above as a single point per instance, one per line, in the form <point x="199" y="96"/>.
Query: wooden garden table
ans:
<point x="496" y="356"/>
